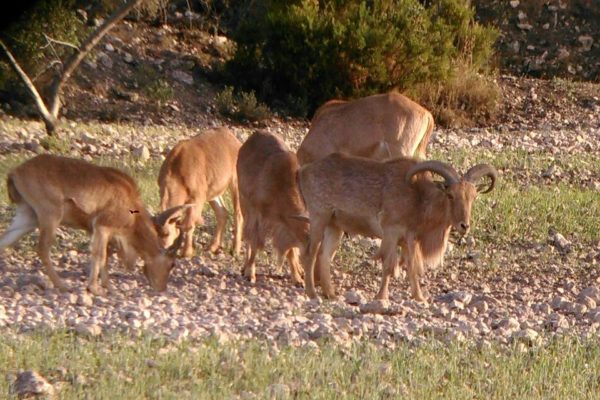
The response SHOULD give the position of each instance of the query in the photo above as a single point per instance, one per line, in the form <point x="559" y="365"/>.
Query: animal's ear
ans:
<point x="172" y="251"/>
<point x="173" y="214"/>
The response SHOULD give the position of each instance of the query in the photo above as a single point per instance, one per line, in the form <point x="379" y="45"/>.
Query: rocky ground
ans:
<point x="525" y="291"/>
<point x="546" y="38"/>
<point x="539" y="290"/>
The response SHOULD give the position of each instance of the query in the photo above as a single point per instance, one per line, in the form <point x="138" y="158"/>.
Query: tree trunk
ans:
<point x="92" y="40"/>
<point x="50" y="113"/>
<point x="49" y="118"/>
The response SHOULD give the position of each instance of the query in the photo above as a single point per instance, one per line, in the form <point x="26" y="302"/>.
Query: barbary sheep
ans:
<point x="397" y="201"/>
<point x="379" y="127"/>
<point x="196" y="170"/>
<point x="266" y="170"/>
<point x="50" y="191"/>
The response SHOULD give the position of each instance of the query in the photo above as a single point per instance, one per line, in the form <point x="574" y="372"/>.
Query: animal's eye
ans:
<point x="450" y="196"/>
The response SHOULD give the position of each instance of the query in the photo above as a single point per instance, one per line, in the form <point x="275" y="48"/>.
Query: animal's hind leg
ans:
<point x="24" y="222"/>
<point x="98" y="246"/>
<point x="221" y="215"/>
<point x="48" y="228"/>
<point x="331" y="241"/>
<point x="238" y="219"/>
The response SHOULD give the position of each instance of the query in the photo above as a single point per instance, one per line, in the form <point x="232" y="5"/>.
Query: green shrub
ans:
<point x="26" y="40"/>
<point x="313" y="51"/>
<point x="159" y="91"/>
<point x="56" y="145"/>
<point x="240" y="106"/>
<point x="466" y="98"/>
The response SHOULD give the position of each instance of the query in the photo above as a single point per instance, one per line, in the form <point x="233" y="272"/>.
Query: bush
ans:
<point x="159" y="91"/>
<point x="241" y="106"/>
<point x="313" y="51"/>
<point x="466" y="98"/>
<point x="25" y="37"/>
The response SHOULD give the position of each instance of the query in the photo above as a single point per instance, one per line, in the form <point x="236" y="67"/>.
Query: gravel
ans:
<point x="207" y="297"/>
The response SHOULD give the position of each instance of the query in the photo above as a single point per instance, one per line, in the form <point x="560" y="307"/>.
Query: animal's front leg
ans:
<point x="192" y="217"/>
<point x="249" y="270"/>
<point x="317" y="228"/>
<point x="389" y="254"/>
<point x="414" y="267"/>
<point x="295" y="269"/>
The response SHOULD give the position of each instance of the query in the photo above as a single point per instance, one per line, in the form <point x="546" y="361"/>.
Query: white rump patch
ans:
<point x="23" y="223"/>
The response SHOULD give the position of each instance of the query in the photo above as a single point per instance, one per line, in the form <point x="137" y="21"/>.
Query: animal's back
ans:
<point x="265" y="165"/>
<point x="339" y="182"/>
<point x="75" y="191"/>
<point x="206" y="161"/>
<point x="359" y="128"/>
<point x="57" y="178"/>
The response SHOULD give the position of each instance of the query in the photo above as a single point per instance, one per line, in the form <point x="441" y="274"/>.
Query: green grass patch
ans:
<point x="117" y="367"/>
<point x="515" y="214"/>
<point x="520" y="209"/>
<point x="524" y="206"/>
<point x="516" y="162"/>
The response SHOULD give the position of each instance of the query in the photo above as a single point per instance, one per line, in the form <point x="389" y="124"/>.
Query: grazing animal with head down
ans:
<point x="197" y="170"/>
<point x="266" y="170"/>
<point x="50" y="191"/>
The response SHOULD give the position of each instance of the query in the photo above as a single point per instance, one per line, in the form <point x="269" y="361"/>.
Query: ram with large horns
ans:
<point x="397" y="201"/>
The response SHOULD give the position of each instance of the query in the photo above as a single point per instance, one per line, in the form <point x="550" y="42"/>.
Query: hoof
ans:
<point x="298" y="283"/>
<point x="215" y="248"/>
<point x="250" y="278"/>
<point x="96" y="290"/>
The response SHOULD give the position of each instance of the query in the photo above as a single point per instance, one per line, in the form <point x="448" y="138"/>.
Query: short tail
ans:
<point x="13" y="193"/>
<point x="299" y="186"/>
<point x="422" y="146"/>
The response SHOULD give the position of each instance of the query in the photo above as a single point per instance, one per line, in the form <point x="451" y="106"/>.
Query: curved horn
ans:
<point x="301" y="218"/>
<point x="446" y="171"/>
<point x="163" y="217"/>
<point x="480" y="170"/>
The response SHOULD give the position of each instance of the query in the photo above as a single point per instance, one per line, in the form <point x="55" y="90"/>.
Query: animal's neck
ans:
<point x="144" y="239"/>
<point x="436" y="212"/>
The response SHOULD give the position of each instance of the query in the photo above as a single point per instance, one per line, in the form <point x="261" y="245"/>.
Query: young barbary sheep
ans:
<point x="397" y="201"/>
<point x="380" y="127"/>
<point x="269" y="195"/>
<point x="194" y="171"/>
<point x="50" y="191"/>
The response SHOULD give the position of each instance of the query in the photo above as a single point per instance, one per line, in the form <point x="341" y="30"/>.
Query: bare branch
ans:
<point x="49" y="119"/>
<point x="51" y="40"/>
<point x="88" y="44"/>
<point x="49" y="66"/>
<point x="49" y="44"/>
